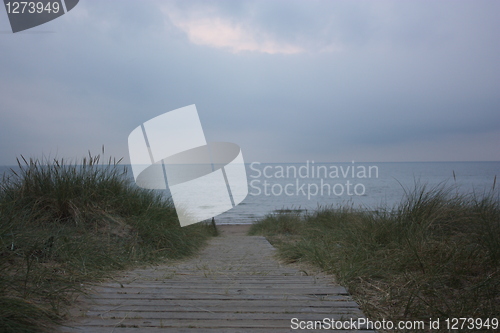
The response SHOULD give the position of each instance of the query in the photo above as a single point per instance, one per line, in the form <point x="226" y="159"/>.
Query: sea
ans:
<point x="309" y="185"/>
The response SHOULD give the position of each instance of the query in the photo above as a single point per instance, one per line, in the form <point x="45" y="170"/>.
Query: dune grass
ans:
<point x="63" y="224"/>
<point x="437" y="254"/>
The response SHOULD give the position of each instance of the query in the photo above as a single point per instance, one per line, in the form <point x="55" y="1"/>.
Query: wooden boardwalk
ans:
<point x="234" y="285"/>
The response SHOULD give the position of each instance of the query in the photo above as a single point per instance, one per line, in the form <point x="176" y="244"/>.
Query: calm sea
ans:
<point x="307" y="185"/>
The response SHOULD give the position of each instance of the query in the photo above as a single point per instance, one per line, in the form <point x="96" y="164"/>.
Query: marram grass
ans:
<point x="435" y="255"/>
<point x="62" y="224"/>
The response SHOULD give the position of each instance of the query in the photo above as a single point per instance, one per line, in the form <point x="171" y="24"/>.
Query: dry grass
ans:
<point x="435" y="255"/>
<point x="63" y="224"/>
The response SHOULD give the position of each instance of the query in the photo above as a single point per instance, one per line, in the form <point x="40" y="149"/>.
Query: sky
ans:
<point x="288" y="81"/>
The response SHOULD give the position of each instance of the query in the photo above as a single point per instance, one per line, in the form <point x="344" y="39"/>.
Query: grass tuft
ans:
<point x="63" y="224"/>
<point x="436" y="254"/>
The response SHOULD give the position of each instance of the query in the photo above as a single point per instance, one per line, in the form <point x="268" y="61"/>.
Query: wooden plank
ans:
<point x="97" y="329"/>
<point x="205" y="315"/>
<point x="344" y="302"/>
<point x="202" y="323"/>
<point x="221" y="290"/>
<point x="234" y="285"/>
<point x="218" y="307"/>
<point x="210" y="296"/>
<point x="219" y="284"/>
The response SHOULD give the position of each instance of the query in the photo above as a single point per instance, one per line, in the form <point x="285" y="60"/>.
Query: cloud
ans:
<point x="287" y="80"/>
<point x="295" y="26"/>
<point x="207" y="27"/>
<point x="220" y="33"/>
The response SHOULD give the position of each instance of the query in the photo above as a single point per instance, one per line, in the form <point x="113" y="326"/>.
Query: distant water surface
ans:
<point x="307" y="185"/>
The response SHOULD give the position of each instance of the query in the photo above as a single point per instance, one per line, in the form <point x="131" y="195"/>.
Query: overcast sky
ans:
<point x="288" y="81"/>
